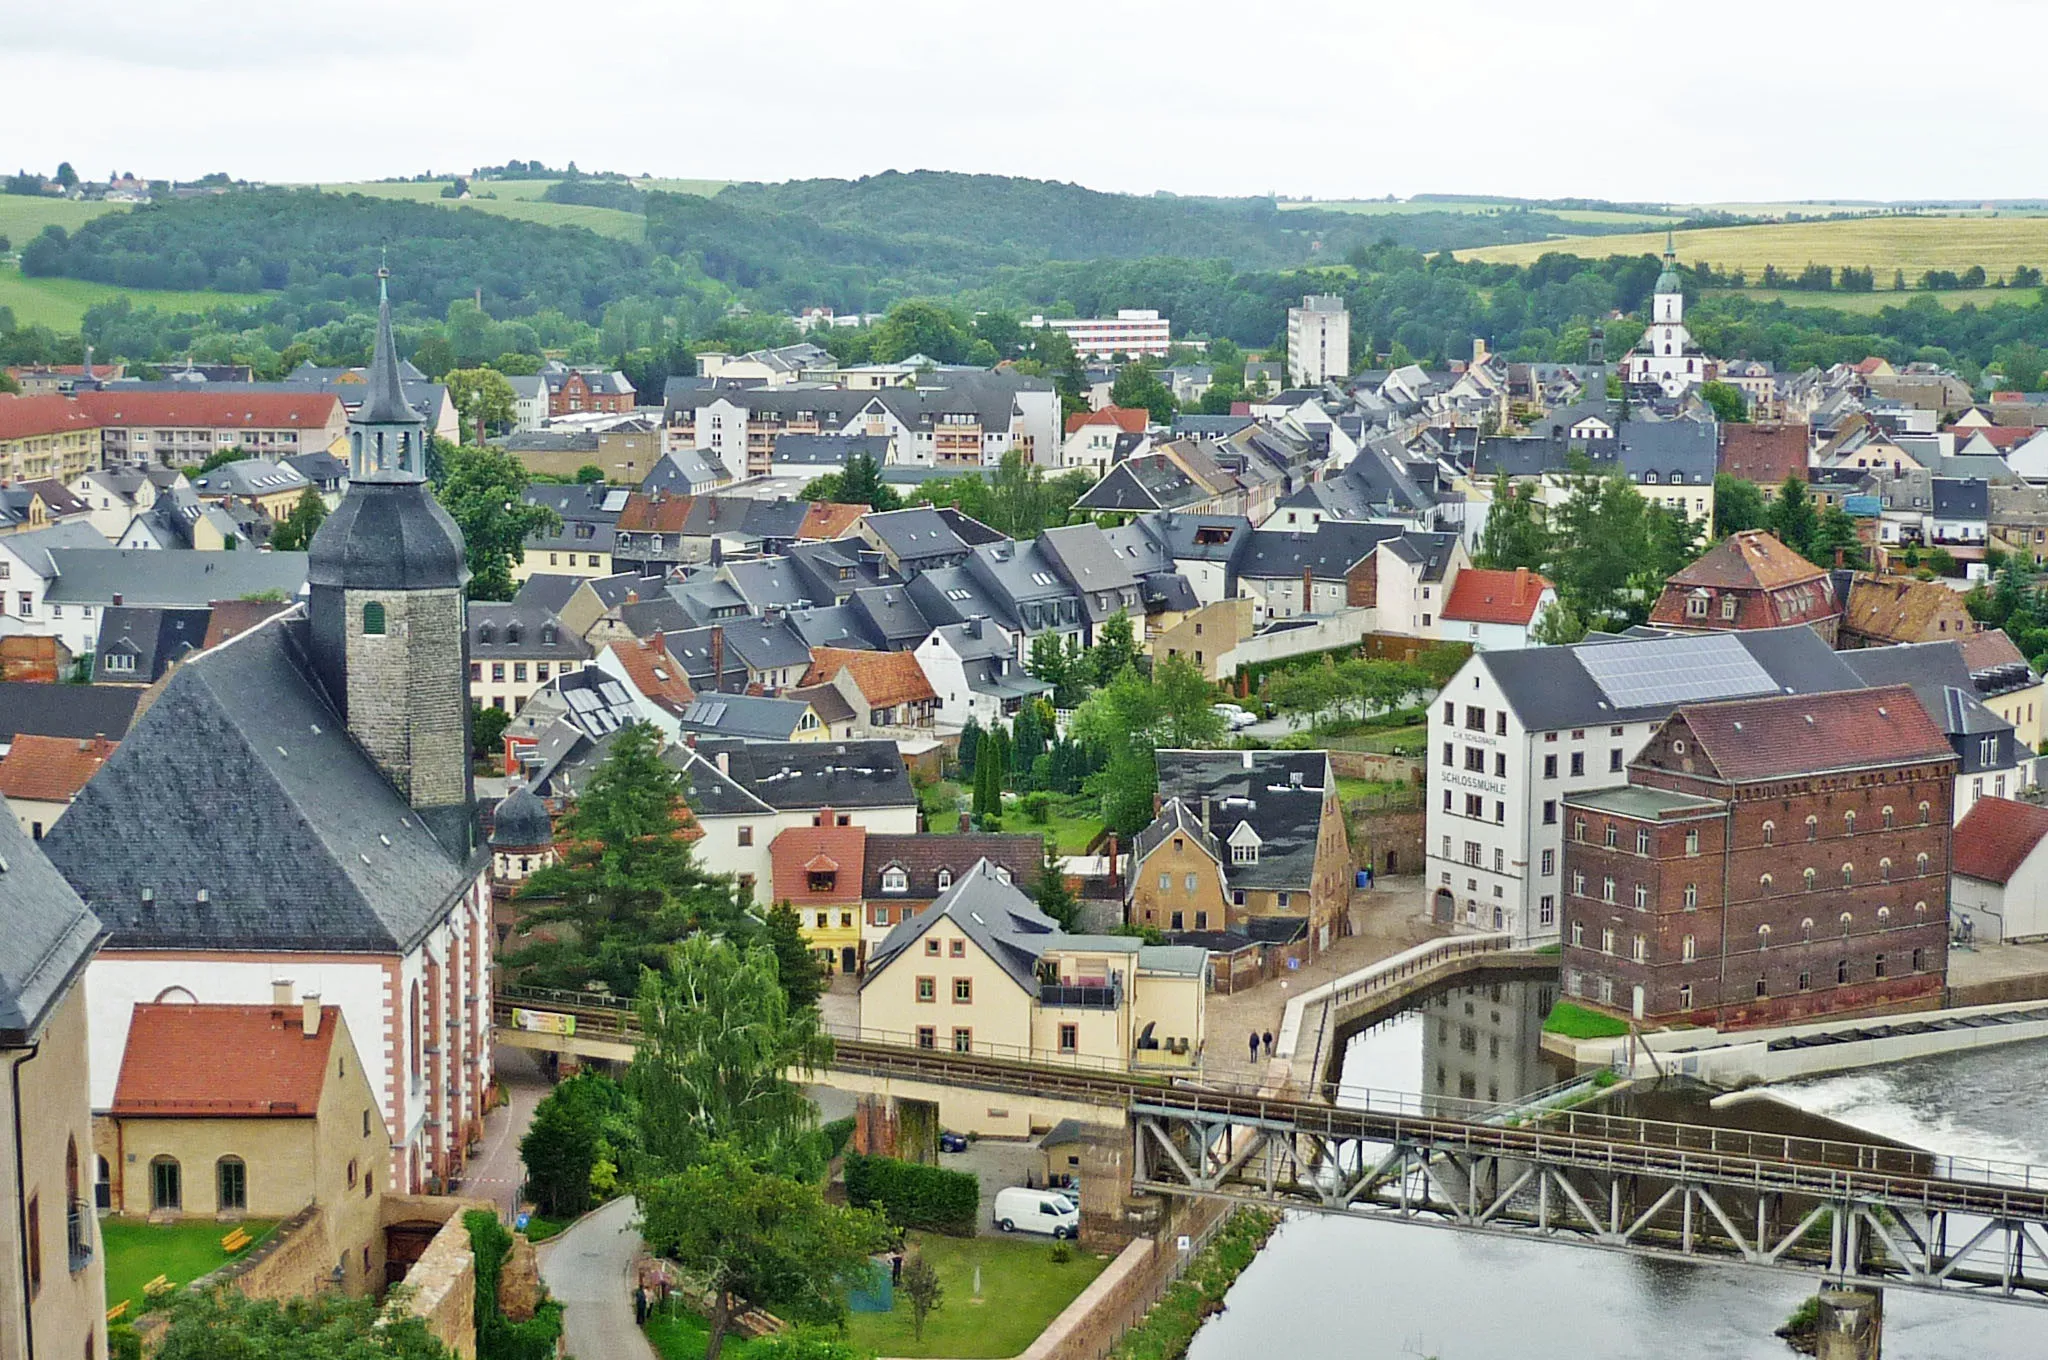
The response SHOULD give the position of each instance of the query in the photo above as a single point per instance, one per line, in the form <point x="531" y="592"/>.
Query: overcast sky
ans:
<point x="1356" y="98"/>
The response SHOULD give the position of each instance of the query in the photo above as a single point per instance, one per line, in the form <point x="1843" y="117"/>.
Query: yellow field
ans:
<point x="61" y="304"/>
<point x="1404" y="207"/>
<point x="702" y="187"/>
<point x="1870" y="304"/>
<point x="22" y="217"/>
<point x="1882" y="243"/>
<point x="518" y="198"/>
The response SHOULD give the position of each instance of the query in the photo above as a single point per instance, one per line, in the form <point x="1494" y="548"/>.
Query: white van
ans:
<point x="1037" y="1211"/>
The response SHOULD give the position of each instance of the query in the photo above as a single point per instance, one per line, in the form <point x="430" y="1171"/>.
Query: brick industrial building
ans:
<point x="1769" y="860"/>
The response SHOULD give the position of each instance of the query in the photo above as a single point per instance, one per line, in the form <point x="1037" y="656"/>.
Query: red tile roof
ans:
<point x="232" y="618"/>
<point x="1131" y="420"/>
<point x="1484" y="596"/>
<point x="2000" y="437"/>
<point x="26" y="417"/>
<point x="1996" y="836"/>
<point x="1988" y="649"/>
<point x="657" y="675"/>
<point x="1765" y="454"/>
<point x="1800" y="734"/>
<point x="51" y="769"/>
<point x="838" y="850"/>
<point x="885" y="679"/>
<point x="223" y="1062"/>
<point x="1753" y="559"/>
<point x="213" y="410"/>
<point x="657" y="513"/>
<point x="829" y="520"/>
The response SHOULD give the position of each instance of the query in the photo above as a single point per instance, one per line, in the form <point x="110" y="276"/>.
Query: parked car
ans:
<point x="1237" y="718"/>
<point x="952" y="1142"/>
<point x="1019" y="1209"/>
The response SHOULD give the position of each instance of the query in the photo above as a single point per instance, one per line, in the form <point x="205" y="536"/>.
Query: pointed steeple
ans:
<point x="386" y="436"/>
<point x="1670" y="244"/>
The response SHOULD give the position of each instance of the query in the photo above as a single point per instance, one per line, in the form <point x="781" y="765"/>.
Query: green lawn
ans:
<point x="23" y="217"/>
<point x="61" y="304"/>
<point x="943" y="802"/>
<point x="1871" y="303"/>
<point x="1384" y="740"/>
<point x="683" y="1336"/>
<point x="518" y="198"/>
<point x="1351" y="790"/>
<point x="138" y="1252"/>
<point x="1576" y="1022"/>
<point x="1021" y="1291"/>
<point x="539" y="1227"/>
<point x="1076" y="821"/>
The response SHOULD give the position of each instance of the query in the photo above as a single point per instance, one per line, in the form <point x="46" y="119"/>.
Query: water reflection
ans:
<point x="1336" y="1287"/>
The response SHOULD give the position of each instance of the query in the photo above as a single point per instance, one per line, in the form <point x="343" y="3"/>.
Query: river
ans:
<point x="1328" y="1288"/>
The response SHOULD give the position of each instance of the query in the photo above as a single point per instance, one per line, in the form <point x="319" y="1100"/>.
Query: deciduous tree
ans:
<point x="921" y="1286"/>
<point x="484" y="491"/>
<point x="483" y="396"/>
<point x="298" y="528"/>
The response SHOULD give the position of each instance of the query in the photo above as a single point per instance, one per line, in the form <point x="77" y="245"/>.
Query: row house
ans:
<point x="1767" y="861"/>
<point x="47" y="436"/>
<point x="178" y="429"/>
<point x="574" y="391"/>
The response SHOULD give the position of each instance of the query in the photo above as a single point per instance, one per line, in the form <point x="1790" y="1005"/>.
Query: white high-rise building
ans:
<point x="1318" y="341"/>
<point x="1134" y="330"/>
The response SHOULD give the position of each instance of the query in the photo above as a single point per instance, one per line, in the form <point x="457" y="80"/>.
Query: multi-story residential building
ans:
<point x="1883" y="610"/>
<point x="1768" y="860"/>
<point x="573" y="391"/>
<point x="1516" y="732"/>
<point x="957" y="418"/>
<point x="2007" y="684"/>
<point x="184" y="428"/>
<point x="974" y="670"/>
<point x="1133" y="330"/>
<point x="47" y="436"/>
<point x="1249" y="842"/>
<point x="514" y="649"/>
<point x="1748" y="580"/>
<point x="1990" y="762"/>
<point x="273" y="488"/>
<point x="1318" y="341"/>
<point x="982" y="970"/>
<point x="1489" y="610"/>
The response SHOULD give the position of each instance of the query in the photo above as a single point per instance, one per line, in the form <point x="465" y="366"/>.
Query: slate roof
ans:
<point x="217" y="1061"/>
<point x="522" y="631"/>
<point x="1550" y="688"/>
<point x="546" y="592"/>
<point x="827" y="452"/>
<point x="751" y="717"/>
<point x="38" y="548"/>
<point x="49" y="939"/>
<point x="1149" y="482"/>
<point x="891" y="615"/>
<point x="1331" y="550"/>
<point x="242" y="783"/>
<point x="66" y="710"/>
<point x="815" y="774"/>
<point x="825" y="701"/>
<point x="162" y="576"/>
<point x="916" y="535"/>
<point x="148" y="638"/>
<point x="1279" y="794"/>
<point x="521" y="820"/>
<point x="250" y="477"/>
<point x="922" y="855"/>
<point x="1995" y="837"/>
<point x="997" y="916"/>
<point x="1961" y="498"/>
<point x="1747" y="740"/>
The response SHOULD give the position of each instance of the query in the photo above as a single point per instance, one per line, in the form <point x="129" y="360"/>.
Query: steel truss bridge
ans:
<point x="1864" y="1214"/>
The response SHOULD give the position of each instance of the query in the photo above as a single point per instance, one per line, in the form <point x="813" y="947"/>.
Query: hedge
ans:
<point x="914" y="1196"/>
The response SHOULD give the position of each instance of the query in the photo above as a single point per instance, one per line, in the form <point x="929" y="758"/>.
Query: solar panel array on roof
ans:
<point x="1674" y="671"/>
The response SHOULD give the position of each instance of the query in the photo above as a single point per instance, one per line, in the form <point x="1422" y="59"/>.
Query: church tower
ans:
<point x="1666" y="357"/>
<point x="386" y="572"/>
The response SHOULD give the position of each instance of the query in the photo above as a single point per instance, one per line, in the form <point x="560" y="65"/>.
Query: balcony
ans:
<point x="78" y="1225"/>
<point x="1079" y="997"/>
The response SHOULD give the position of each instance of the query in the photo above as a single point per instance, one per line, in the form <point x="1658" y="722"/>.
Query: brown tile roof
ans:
<point x="1900" y="609"/>
<point x="1749" y="560"/>
<point x="657" y="513"/>
<point x="1989" y="649"/>
<point x="923" y="854"/>
<point x="51" y="769"/>
<point x="1996" y="836"/>
<point x="885" y="679"/>
<point x="223" y="1062"/>
<point x="1131" y="420"/>
<point x="24" y="417"/>
<point x="202" y="409"/>
<point x="797" y="852"/>
<point x="1485" y="596"/>
<point x="655" y="673"/>
<point x="2000" y="437"/>
<point x="232" y="618"/>
<point x="826" y="701"/>
<point x="828" y="520"/>
<point x="1752" y="739"/>
<point x="1766" y="454"/>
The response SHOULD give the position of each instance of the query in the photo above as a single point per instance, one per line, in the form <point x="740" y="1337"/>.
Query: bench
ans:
<point x="160" y="1285"/>
<point x="115" y="1313"/>
<point x="235" y="1241"/>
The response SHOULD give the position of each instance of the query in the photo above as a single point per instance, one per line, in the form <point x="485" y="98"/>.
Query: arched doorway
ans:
<point x="1446" y="907"/>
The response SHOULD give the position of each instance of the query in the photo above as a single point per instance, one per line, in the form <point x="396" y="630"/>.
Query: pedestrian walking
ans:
<point x="1269" y="1043"/>
<point x="1255" y="1046"/>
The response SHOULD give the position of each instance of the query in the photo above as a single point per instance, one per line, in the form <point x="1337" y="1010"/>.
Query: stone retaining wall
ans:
<point x="1118" y="1299"/>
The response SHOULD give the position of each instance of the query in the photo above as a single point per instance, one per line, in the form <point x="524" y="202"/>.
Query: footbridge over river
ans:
<point x="1860" y="1214"/>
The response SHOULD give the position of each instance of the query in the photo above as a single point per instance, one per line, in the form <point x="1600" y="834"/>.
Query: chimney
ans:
<point x="88" y="362"/>
<point x="309" y="1015"/>
<point x="717" y="551"/>
<point x="966" y="824"/>
<point x="281" y="992"/>
<point x="1157" y="802"/>
<point x="717" y="658"/>
<point x="1205" y="814"/>
<point x="725" y="762"/>
<point x="117" y="597"/>
<point x="974" y="626"/>
<point x="1521" y="584"/>
<point x="1838" y="559"/>
<point x="1308" y="590"/>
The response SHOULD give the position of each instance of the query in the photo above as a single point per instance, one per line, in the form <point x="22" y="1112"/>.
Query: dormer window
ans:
<point x="894" y="880"/>
<point x="823" y="880"/>
<point x="945" y="879"/>
<point x="1244" y="844"/>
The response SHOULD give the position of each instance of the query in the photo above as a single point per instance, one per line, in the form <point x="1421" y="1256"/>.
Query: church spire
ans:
<point x="1670" y="245"/>
<point x="386" y="435"/>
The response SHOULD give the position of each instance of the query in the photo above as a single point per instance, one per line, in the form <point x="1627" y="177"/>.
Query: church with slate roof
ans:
<point x="296" y="807"/>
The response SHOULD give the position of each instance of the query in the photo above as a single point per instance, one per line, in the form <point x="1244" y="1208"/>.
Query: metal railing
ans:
<point x="78" y="1235"/>
<point x="1081" y="995"/>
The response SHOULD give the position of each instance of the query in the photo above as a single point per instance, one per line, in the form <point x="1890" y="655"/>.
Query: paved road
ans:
<point x="496" y="1173"/>
<point x="590" y="1269"/>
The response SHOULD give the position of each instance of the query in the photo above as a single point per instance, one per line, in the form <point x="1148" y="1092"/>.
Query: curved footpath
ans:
<point x="589" y="1268"/>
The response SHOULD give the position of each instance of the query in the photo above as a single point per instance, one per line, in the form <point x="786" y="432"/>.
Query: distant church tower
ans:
<point x="386" y="572"/>
<point x="1666" y="355"/>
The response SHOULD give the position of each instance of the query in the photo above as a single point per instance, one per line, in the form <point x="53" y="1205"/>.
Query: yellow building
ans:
<point x="982" y="970"/>
<point x="1206" y="635"/>
<point x="46" y="436"/>
<point x="818" y="871"/>
<point x="229" y="1112"/>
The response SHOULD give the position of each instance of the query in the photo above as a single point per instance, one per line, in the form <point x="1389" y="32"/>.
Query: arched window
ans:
<point x="1770" y="833"/>
<point x="1763" y="883"/>
<point x="1848" y="875"/>
<point x="373" y="619"/>
<point x="413" y="1011"/>
<point x="178" y="996"/>
<point x="1889" y="819"/>
<point x="1884" y="917"/>
<point x="1808" y="877"/>
<point x="1813" y="828"/>
<point x="1920" y="864"/>
<point x="1806" y="929"/>
<point x="1849" y="822"/>
<point x="1763" y="937"/>
<point x="1847" y="921"/>
<point x="232" y="1177"/>
<point x="945" y="879"/>
<point x="1884" y="871"/>
<point x="1923" y="814"/>
<point x="166" y="1184"/>
<point x="1919" y="909"/>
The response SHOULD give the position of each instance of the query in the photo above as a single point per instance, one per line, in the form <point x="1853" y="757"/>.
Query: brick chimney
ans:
<point x="717" y="658"/>
<point x="1521" y="584"/>
<point x="1308" y="590"/>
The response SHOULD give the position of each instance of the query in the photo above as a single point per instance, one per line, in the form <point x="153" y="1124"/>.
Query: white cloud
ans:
<point x="1747" y="100"/>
